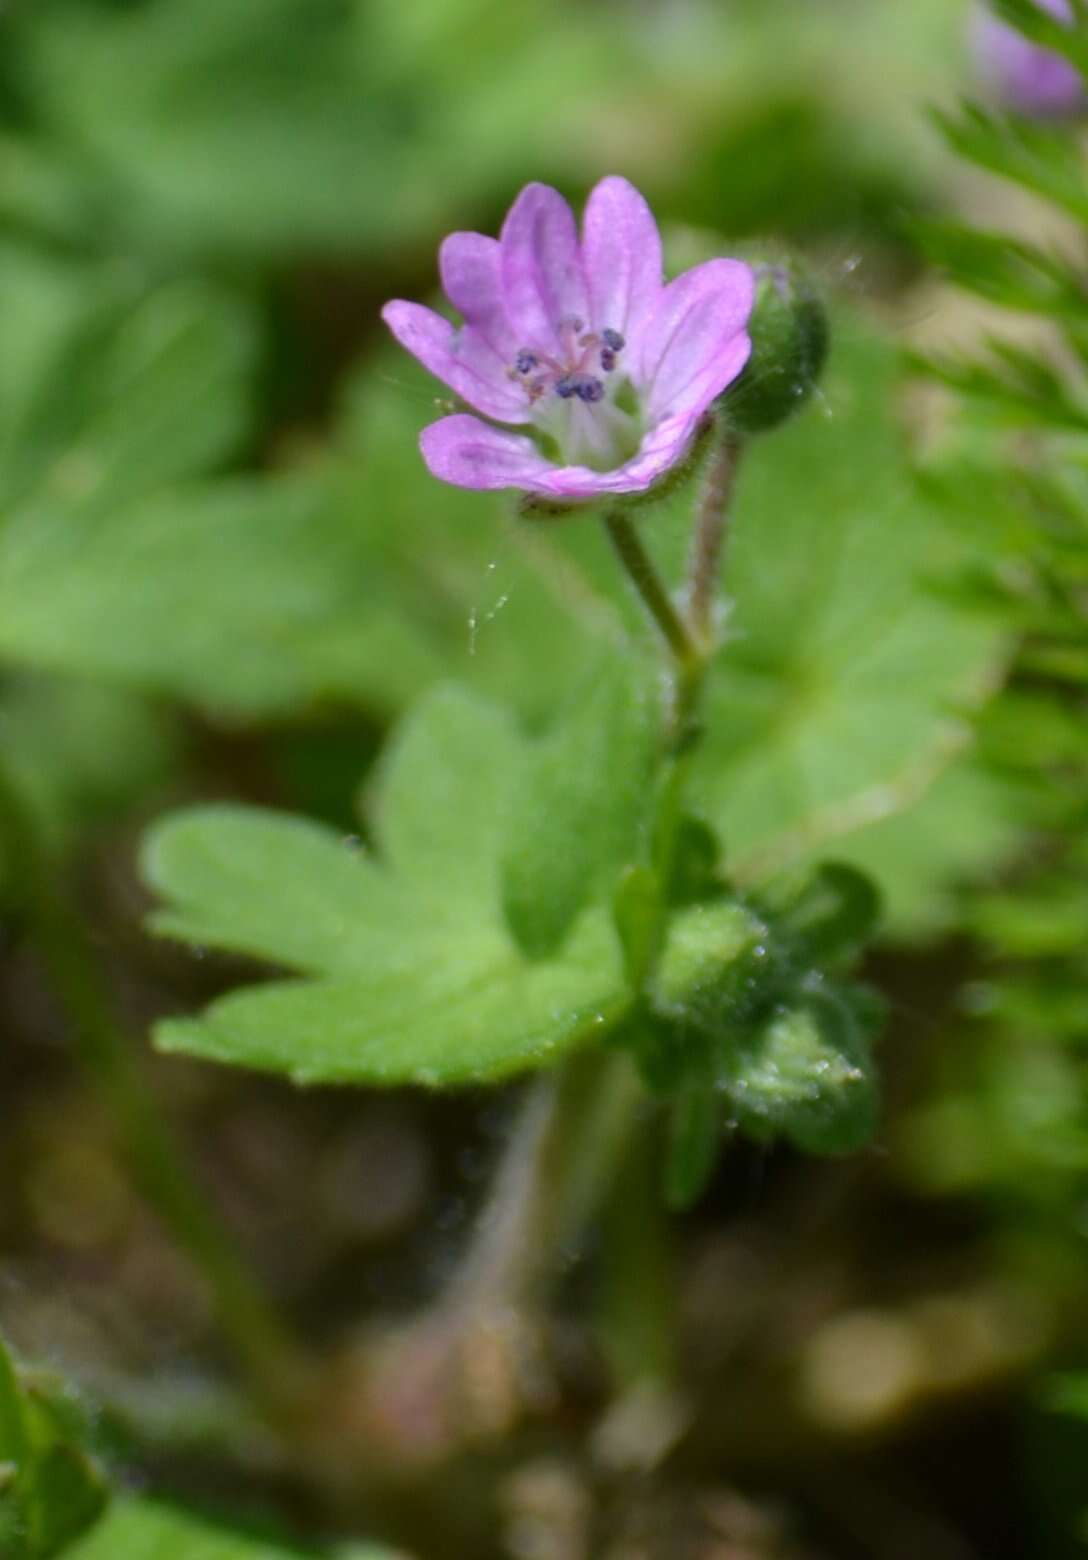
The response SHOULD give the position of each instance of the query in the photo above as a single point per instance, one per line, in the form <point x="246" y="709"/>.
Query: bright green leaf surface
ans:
<point x="590" y="779"/>
<point x="420" y="981"/>
<point x="147" y="1530"/>
<point x="444" y="794"/>
<point x="246" y="597"/>
<point x="348" y="129"/>
<point x="838" y="694"/>
<point x="475" y="1014"/>
<point x="12" y="1423"/>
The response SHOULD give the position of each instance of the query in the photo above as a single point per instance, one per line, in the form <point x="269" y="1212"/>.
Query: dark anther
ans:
<point x="613" y="340"/>
<point x="608" y="359"/>
<point x="567" y="386"/>
<point x="589" y="390"/>
<point x="525" y="362"/>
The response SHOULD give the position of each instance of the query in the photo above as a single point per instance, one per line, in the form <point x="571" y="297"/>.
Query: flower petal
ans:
<point x="695" y="343"/>
<point x="461" y="359"/>
<point x="662" y="448"/>
<point x="621" y="252"/>
<point x="469" y="453"/>
<point x="541" y="267"/>
<point x="1026" y="77"/>
<point x="470" y="266"/>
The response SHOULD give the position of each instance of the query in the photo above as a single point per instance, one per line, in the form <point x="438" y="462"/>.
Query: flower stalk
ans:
<point x="709" y="537"/>
<point x="651" y="588"/>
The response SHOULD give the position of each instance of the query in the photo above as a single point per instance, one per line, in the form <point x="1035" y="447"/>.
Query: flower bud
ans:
<point x="789" y="334"/>
<point x="716" y="970"/>
<point x="1026" y="78"/>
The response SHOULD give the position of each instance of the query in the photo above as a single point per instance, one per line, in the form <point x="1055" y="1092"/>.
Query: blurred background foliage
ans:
<point x="224" y="571"/>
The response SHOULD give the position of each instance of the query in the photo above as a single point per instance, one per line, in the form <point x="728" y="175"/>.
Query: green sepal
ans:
<point x="806" y="1074"/>
<point x="829" y="915"/>
<point x="719" y="968"/>
<point x="790" y="340"/>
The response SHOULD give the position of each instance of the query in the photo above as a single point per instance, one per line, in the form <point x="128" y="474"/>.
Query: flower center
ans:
<point x="573" y="395"/>
<point x="574" y="371"/>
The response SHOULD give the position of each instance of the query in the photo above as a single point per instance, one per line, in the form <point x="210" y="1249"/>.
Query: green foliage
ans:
<point x="1006" y="1118"/>
<point x="83" y="753"/>
<point x="117" y="388"/>
<point x="120" y="394"/>
<point x="590" y="779"/>
<point x="150" y="1530"/>
<point x="839" y="695"/>
<point x="50" y="1489"/>
<point x="474" y="941"/>
<point x="1040" y="158"/>
<point x="417" y="977"/>
<point x="1010" y="271"/>
<point x="357" y="580"/>
<point x="169" y="535"/>
<point x="807" y="1073"/>
<point x="790" y="341"/>
<point x="347" y="131"/>
<point x="748" y="1027"/>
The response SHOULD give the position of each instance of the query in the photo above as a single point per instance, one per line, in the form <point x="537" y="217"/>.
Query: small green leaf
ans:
<point x="50" y="1488"/>
<point x="1008" y="271"/>
<point x="696" y="862"/>
<point x="280" y="888"/>
<point x="13" y="1430"/>
<point x="806" y="1075"/>
<point x="444" y="797"/>
<point x="65" y="1498"/>
<point x="1042" y="158"/>
<point x="473" y="1012"/>
<point x="581" y="813"/>
<point x="832" y="916"/>
<point x="150" y="1530"/>
<point x="416" y="976"/>
<point x="638" y="910"/>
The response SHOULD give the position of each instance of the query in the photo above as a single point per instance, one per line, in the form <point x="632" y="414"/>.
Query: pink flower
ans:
<point x="607" y="371"/>
<point x="1029" y="79"/>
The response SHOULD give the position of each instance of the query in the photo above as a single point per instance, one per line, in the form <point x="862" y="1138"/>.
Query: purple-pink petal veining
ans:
<point x="575" y="345"/>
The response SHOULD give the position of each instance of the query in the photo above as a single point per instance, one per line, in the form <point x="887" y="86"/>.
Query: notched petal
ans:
<point x="471" y="454"/>
<point x="462" y="359"/>
<point x="542" y="272"/>
<point x="621" y="251"/>
<point x="470" y="266"/>
<point x="696" y="343"/>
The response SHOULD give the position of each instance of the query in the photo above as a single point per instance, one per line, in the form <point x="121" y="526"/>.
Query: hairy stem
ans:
<point x="711" y="526"/>
<point x="272" y="1362"/>
<point x="572" y="1132"/>
<point x="646" y="580"/>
